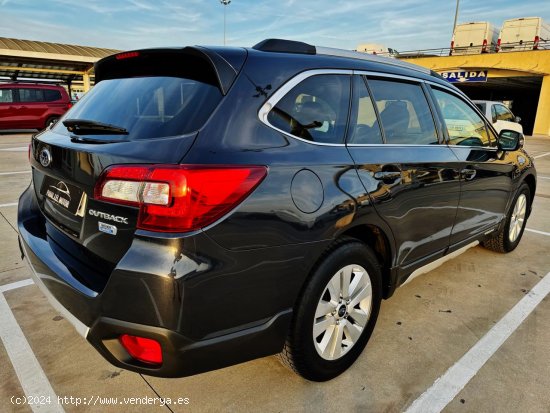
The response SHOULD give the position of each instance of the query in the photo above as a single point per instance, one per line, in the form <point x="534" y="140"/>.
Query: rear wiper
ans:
<point x="81" y="139"/>
<point x="84" y="126"/>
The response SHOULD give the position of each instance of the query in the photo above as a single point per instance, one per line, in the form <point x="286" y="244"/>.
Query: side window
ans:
<point x="51" y="95"/>
<point x="315" y="110"/>
<point x="6" y="95"/>
<point x="364" y="126"/>
<point x="31" y="95"/>
<point x="404" y="112"/>
<point x="494" y="113"/>
<point x="464" y="125"/>
<point x="503" y="113"/>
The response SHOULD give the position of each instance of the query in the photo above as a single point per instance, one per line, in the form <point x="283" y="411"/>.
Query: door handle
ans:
<point x="387" y="176"/>
<point x="468" y="174"/>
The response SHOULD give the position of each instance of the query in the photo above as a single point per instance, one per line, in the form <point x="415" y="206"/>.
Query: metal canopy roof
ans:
<point x="48" y="61"/>
<point x="55" y="48"/>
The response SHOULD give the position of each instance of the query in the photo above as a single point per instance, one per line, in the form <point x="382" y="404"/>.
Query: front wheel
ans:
<point x="336" y="313"/>
<point x="508" y="238"/>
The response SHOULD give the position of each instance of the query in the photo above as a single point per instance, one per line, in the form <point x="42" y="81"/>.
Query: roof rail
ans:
<point x="284" y="46"/>
<point x="291" y="46"/>
<point x="49" y="82"/>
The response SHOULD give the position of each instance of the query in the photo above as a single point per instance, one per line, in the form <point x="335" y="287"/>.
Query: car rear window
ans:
<point x="51" y="95"/>
<point x="148" y="107"/>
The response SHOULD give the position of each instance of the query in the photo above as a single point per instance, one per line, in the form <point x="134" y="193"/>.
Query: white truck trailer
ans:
<point x="474" y="38"/>
<point x="526" y="33"/>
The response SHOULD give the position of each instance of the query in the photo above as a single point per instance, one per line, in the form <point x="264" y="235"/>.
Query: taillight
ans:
<point x="484" y="47"/>
<point x="142" y="349"/>
<point x="497" y="48"/>
<point x="69" y="105"/>
<point x="30" y="151"/>
<point x="536" y="43"/>
<point x="178" y="198"/>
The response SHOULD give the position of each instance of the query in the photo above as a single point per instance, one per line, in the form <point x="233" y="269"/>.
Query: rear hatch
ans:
<point x="146" y="108"/>
<point x="469" y="38"/>
<point x="519" y="34"/>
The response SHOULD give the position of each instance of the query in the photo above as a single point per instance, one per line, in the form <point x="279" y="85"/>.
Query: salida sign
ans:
<point x="465" y="76"/>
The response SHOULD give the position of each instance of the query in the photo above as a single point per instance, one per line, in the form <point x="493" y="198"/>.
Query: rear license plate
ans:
<point x="61" y="193"/>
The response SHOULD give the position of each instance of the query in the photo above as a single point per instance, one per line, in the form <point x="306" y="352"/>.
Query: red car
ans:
<point x="31" y="106"/>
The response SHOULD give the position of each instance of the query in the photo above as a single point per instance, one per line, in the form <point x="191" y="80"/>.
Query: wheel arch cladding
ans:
<point x="532" y="184"/>
<point x="379" y="242"/>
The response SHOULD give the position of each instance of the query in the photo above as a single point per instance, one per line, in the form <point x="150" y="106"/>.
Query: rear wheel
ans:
<point x="336" y="313"/>
<point x="508" y="238"/>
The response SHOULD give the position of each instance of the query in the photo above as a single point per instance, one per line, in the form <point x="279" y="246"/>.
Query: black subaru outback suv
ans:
<point x="206" y="206"/>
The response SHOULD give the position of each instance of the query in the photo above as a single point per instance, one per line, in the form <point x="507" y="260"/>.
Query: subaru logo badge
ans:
<point x="45" y="157"/>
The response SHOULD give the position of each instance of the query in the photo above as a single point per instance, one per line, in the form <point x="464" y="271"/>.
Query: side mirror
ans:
<point x="517" y="119"/>
<point x="510" y="140"/>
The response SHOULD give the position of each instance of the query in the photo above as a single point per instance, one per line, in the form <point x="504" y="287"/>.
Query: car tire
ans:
<point x="50" y="120"/>
<point x="339" y="305"/>
<point x="509" y="236"/>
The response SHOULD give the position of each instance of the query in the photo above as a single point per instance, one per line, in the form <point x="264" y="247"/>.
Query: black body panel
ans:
<point x="226" y="293"/>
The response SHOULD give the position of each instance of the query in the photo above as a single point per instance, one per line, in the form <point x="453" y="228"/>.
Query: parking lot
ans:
<point x="457" y="312"/>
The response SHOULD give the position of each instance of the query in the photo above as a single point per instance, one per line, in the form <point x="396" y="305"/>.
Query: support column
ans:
<point x="86" y="80"/>
<point x="542" y="119"/>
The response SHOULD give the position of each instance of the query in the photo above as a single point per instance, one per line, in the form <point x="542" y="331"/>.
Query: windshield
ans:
<point x="147" y="107"/>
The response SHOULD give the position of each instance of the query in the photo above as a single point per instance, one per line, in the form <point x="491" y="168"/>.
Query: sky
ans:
<point x="132" y="24"/>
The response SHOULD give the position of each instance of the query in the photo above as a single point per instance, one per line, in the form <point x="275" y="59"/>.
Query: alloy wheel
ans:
<point x="517" y="218"/>
<point x="343" y="312"/>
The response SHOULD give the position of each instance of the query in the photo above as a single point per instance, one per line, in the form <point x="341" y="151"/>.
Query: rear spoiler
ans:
<point x="193" y="62"/>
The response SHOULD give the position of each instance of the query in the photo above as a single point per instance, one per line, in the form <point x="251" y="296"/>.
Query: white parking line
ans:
<point x="543" y="177"/>
<point x="445" y="388"/>
<point x="29" y="372"/>
<point x="536" y="231"/>
<point x="8" y="205"/>
<point x="15" y="285"/>
<point x="18" y="149"/>
<point x="16" y="172"/>
<point x="541" y="155"/>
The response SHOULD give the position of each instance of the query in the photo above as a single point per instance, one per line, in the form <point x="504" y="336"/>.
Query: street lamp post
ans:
<point x="456" y="16"/>
<point x="224" y="3"/>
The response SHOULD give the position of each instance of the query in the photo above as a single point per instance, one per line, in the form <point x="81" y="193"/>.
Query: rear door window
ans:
<point x="6" y="96"/>
<point x="149" y="107"/>
<point x="315" y="110"/>
<point x="31" y="95"/>
<point x="404" y="112"/>
<point x="464" y="126"/>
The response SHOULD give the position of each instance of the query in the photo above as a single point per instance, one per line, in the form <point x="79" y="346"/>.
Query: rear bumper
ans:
<point x="183" y="357"/>
<point x="208" y="307"/>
